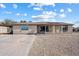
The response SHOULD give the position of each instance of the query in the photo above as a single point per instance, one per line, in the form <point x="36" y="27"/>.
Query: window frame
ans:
<point x="24" y="27"/>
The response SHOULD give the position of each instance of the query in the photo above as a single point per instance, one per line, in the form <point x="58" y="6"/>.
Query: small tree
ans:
<point x="8" y="22"/>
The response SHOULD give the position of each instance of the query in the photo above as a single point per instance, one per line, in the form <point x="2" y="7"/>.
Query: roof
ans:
<point x="36" y="23"/>
<point x="5" y="25"/>
<point x="43" y="23"/>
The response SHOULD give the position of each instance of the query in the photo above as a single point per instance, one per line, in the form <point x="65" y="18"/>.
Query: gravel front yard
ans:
<point x="40" y="45"/>
<point x="56" y="45"/>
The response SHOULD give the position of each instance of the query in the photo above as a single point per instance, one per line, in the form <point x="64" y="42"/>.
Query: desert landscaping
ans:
<point x="64" y="44"/>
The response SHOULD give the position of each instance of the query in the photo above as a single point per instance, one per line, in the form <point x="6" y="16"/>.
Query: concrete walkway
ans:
<point x="15" y="45"/>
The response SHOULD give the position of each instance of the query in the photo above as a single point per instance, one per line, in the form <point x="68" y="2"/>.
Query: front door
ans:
<point x="42" y="29"/>
<point x="11" y="30"/>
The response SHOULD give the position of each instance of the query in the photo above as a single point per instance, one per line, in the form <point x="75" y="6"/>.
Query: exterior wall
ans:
<point x="50" y="29"/>
<point x="33" y="29"/>
<point x="3" y="30"/>
<point x="56" y="29"/>
<point x="17" y="30"/>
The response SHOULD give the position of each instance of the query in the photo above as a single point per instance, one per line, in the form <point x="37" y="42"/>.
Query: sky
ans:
<point x="41" y="12"/>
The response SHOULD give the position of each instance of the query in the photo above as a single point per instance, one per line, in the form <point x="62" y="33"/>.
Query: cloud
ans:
<point x="41" y="4"/>
<point x="19" y="14"/>
<point x="45" y="16"/>
<point x="55" y="10"/>
<point x="76" y="24"/>
<point x="1" y="20"/>
<point x="49" y="20"/>
<point x="61" y="10"/>
<point x="48" y="16"/>
<point x="2" y="6"/>
<point x="69" y="10"/>
<point x="49" y="4"/>
<point x="7" y="12"/>
<point x="62" y="15"/>
<point x="37" y="8"/>
<point x="15" y="6"/>
<point x="53" y="4"/>
<point x="41" y="17"/>
<point x="25" y="14"/>
<point x="50" y="13"/>
<point x="67" y="21"/>
<point x="36" y="4"/>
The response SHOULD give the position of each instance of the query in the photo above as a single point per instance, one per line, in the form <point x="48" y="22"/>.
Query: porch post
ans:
<point x="54" y="29"/>
<point x="61" y="29"/>
<point x="38" y="29"/>
<point x="45" y="29"/>
<point x="70" y="28"/>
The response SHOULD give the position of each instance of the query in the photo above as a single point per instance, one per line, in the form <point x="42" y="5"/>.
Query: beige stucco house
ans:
<point x="36" y="28"/>
<point x="41" y="27"/>
<point x="4" y="29"/>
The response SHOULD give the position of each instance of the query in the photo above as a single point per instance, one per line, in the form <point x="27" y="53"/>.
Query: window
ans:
<point x="65" y="28"/>
<point x="44" y="28"/>
<point x="24" y="27"/>
<point x="47" y="29"/>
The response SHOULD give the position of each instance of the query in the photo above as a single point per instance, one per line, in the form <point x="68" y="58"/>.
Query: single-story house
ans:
<point x="41" y="27"/>
<point x="5" y="29"/>
<point x="36" y="27"/>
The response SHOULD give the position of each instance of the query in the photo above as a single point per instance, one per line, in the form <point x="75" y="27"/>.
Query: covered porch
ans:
<point x="42" y="29"/>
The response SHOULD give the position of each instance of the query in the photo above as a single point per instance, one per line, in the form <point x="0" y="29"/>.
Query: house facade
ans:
<point x="41" y="27"/>
<point x="4" y="29"/>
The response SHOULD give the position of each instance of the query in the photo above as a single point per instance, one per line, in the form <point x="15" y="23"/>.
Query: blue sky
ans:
<point x="36" y="12"/>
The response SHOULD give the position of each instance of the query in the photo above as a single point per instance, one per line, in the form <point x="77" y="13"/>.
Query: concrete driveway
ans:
<point x="15" y="45"/>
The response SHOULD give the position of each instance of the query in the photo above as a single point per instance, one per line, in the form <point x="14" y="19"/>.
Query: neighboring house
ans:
<point x="41" y="27"/>
<point x="4" y="29"/>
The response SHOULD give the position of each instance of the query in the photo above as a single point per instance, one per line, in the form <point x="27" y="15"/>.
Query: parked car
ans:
<point x="76" y="29"/>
